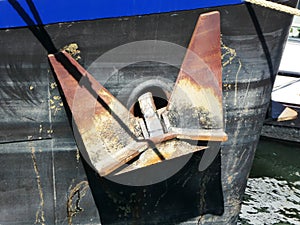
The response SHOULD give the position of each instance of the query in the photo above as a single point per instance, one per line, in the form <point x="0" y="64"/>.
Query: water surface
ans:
<point x="273" y="191"/>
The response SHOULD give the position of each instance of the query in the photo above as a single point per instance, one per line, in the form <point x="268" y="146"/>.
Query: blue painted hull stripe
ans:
<point x="56" y="11"/>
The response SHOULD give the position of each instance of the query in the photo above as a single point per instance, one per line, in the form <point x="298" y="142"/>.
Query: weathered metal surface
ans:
<point x="24" y="98"/>
<point x="111" y="135"/>
<point x="195" y="107"/>
<point x="105" y="126"/>
<point x="152" y="120"/>
<point x="39" y="177"/>
<point x="251" y="50"/>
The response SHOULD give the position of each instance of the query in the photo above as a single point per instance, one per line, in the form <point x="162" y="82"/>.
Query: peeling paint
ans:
<point x="41" y="128"/>
<point x="53" y="85"/>
<point x="49" y="131"/>
<point x="73" y="50"/>
<point x="56" y="104"/>
<point x="229" y="54"/>
<point x="77" y="155"/>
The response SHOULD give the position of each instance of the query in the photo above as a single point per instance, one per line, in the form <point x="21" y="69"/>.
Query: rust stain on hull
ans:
<point x="74" y="198"/>
<point x="40" y="214"/>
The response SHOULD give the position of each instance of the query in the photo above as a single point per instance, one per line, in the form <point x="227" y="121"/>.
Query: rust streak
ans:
<point x="74" y="198"/>
<point x="40" y="214"/>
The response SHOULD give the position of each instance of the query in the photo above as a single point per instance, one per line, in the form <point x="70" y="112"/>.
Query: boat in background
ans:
<point x="288" y="64"/>
<point x="283" y="122"/>
<point x="44" y="178"/>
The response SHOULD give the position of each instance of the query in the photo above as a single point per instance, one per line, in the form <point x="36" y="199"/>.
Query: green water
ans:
<point x="273" y="191"/>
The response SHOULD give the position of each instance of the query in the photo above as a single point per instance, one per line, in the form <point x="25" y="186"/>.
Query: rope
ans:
<point x="276" y="6"/>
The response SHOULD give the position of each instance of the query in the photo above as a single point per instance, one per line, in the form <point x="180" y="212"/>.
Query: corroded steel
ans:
<point x="154" y="126"/>
<point x="105" y="126"/>
<point x="195" y="106"/>
<point x="110" y="136"/>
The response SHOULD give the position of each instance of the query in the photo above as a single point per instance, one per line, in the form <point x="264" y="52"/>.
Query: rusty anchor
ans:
<point x="109" y="134"/>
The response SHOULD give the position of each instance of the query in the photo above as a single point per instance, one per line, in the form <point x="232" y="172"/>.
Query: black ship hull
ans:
<point x="42" y="177"/>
